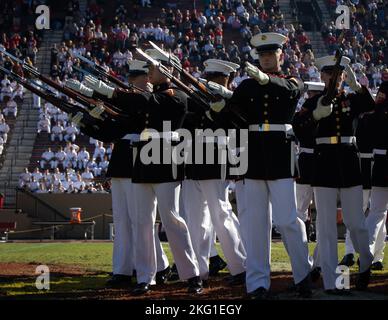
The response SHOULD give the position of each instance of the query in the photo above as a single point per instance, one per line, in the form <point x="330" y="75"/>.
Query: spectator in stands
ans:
<point x="87" y="176"/>
<point x="57" y="132"/>
<point x="79" y="184"/>
<point x="63" y="118"/>
<point x="48" y="158"/>
<point x="83" y="158"/>
<point x="25" y="178"/>
<point x="42" y="188"/>
<point x="104" y="165"/>
<point x="44" y="124"/>
<point x="93" y="167"/>
<point x="6" y="91"/>
<point x="71" y="132"/>
<point x="67" y="185"/>
<point x="59" y="158"/>
<point x="109" y="150"/>
<point x="4" y="129"/>
<point x="1" y="145"/>
<point x="99" y="152"/>
<point x="71" y="158"/>
<point x="10" y="107"/>
<point x="70" y="145"/>
<point x="34" y="185"/>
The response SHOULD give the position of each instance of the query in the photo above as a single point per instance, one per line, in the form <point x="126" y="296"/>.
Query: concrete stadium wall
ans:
<point x="97" y="207"/>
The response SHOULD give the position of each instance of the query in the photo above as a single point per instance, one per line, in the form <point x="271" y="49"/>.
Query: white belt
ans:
<point x="335" y="140"/>
<point x="305" y="150"/>
<point x="381" y="152"/>
<point x="167" y="135"/>
<point x="265" y="127"/>
<point x="366" y="155"/>
<point x="135" y="137"/>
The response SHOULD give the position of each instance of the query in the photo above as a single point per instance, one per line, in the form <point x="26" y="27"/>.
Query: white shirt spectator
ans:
<point x="71" y="132"/>
<point x="83" y="159"/>
<point x="25" y="178"/>
<point x="4" y="129"/>
<point x="11" y="108"/>
<point x="47" y="158"/>
<point x="87" y="176"/>
<point x="57" y="132"/>
<point x="99" y="151"/>
<point x="37" y="175"/>
<point x="1" y="145"/>
<point x="33" y="185"/>
<point x="70" y="159"/>
<point x="44" y="125"/>
<point x="6" y="92"/>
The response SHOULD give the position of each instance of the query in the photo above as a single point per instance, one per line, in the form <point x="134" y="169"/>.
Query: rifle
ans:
<point x="332" y="87"/>
<point x="90" y="103"/>
<point x="205" y="91"/>
<point x="163" y="70"/>
<point x="65" y="106"/>
<point x="101" y="72"/>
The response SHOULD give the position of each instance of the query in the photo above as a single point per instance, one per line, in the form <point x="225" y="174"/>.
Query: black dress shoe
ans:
<point x="163" y="276"/>
<point x="173" y="276"/>
<point x="216" y="264"/>
<point x="315" y="274"/>
<point x="347" y="260"/>
<point x="377" y="266"/>
<point x="363" y="279"/>
<point x="195" y="285"/>
<point x="119" y="281"/>
<point x="338" y="292"/>
<point x="303" y="288"/>
<point x="259" y="294"/>
<point x="141" y="289"/>
<point x="237" y="279"/>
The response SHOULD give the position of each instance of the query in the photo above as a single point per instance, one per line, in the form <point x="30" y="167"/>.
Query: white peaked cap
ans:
<point x="233" y="65"/>
<point x="329" y="61"/>
<point x="268" y="41"/>
<point x="314" y="86"/>
<point x="218" y="66"/>
<point x="137" y="66"/>
<point x="153" y="53"/>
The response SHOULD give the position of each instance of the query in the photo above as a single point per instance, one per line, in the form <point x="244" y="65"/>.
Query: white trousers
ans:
<point x="349" y="248"/>
<point x="304" y="197"/>
<point x="124" y="215"/>
<point x="354" y="219"/>
<point x="376" y="222"/>
<point x="207" y="203"/>
<point x="167" y="196"/>
<point x="256" y="225"/>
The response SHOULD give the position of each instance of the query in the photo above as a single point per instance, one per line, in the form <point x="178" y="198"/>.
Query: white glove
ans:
<point x="351" y="79"/>
<point x="217" y="106"/>
<point x="100" y="86"/>
<point x="219" y="89"/>
<point x="255" y="73"/>
<point x="77" y="118"/>
<point x="97" y="111"/>
<point x="322" y="111"/>
<point x="79" y="87"/>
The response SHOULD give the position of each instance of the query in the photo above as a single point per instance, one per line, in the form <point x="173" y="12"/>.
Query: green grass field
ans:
<point x="93" y="258"/>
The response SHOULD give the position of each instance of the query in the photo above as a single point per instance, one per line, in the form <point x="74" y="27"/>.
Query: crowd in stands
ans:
<point x="365" y="42"/>
<point x="55" y="181"/>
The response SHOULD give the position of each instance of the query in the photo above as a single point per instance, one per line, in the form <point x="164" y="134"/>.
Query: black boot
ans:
<point x="303" y="288"/>
<point x="237" y="279"/>
<point x="259" y="294"/>
<point x="163" y="276"/>
<point x="315" y="274"/>
<point x="173" y="276"/>
<point x="363" y="279"/>
<point x="195" y="285"/>
<point x="347" y="260"/>
<point x="216" y="264"/>
<point x="141" y="289"/>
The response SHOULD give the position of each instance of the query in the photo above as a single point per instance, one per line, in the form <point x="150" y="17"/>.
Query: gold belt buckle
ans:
<point x="266" y="127"/>
<point x="334" y="140"/>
